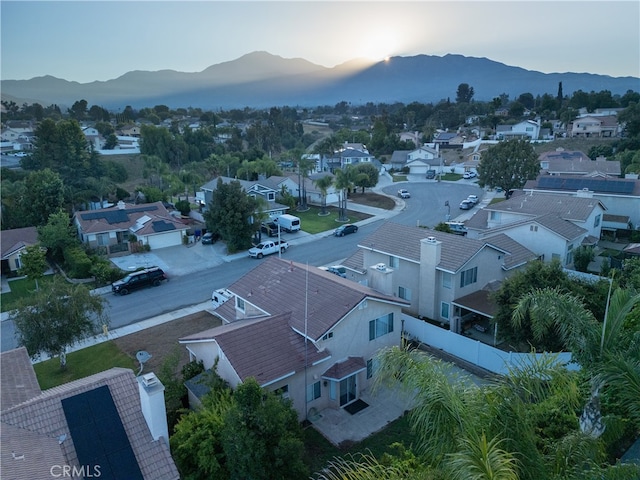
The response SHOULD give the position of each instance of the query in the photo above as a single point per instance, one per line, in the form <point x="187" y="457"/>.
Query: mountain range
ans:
<point x="262" y="80"/>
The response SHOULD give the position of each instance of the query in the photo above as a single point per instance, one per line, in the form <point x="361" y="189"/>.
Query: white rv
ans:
<point x="288" y="223"/>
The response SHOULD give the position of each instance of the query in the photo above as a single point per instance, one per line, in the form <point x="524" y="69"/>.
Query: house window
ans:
<point x="469" y="276"/>
<point x="313" y="391"/>
<point x="596" y="221"/>
<point x="102" y="239"/>
<point x="394" y="261"/>
<point x="493" y="215"/>
<point x="282" y="391"/>
<point x="327" y="336"/>
<point x="533" y="228"/>
<point x="446" y="280"/>
<point x="271" y="196"/>
<point x="380" y="326"/>
<point x="240" y="304"/>
<point x="372" y="367"/>
<point x="444" y="310"/>
<point x="404" y="293"/>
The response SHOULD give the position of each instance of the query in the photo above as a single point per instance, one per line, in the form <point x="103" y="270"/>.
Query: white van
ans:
<point x="220" y="296"/>
<point x="288" y="223"/>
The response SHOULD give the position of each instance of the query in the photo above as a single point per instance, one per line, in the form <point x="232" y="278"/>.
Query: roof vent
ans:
<point x="149" y="379"/>
<point x="120" y="205"/>
<point x="431" y="239"/>
<point x="381" y="266"/>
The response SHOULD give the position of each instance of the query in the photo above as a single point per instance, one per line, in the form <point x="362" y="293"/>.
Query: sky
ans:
<point x="85" y="41"/>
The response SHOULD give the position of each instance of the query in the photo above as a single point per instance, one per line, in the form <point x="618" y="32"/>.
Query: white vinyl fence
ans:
<point x="473" y="351"/>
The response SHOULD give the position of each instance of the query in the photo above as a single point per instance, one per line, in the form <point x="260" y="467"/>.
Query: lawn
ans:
<point x="82" y="363"/>
<point x="21" y="288"/>
<point x="313" y="223"/>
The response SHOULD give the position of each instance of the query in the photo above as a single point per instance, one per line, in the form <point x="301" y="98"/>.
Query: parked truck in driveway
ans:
<point x="267" y="248"/>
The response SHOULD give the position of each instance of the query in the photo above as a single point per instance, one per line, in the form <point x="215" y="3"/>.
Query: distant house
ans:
<point x="347" y="156"/>
<point x="13" y="244"/>
<point x="418" y="161"/>
<point x="594" y="126"/>
<point x="448" y="140"/>
<point x="265" y="189"/>
<point x="112" y="228"/>
<point x="564" y="162"/>
<point x="551" y="226"/>
<point x="526" y="129"/>
<point x="93" y="137"/>
<point x="107" y="425"/>
<point x="130" y="130"/>
<point x="302" y="332"/>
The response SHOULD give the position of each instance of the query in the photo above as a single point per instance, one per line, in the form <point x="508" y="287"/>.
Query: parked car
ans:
<point x="466" y="205"/>
<point x="402" y="193"/>
<point x="458" y="228"/>
<point x="473" y="199"/>
<point x="270" y="228"/>
<point x="142" y="278"/>
<point x="431" y="174"/>
<point x="469" y="175"/>
<point x="210" y="238"/>
<point x="346" y="229"/>
<point x="336" y="270"/>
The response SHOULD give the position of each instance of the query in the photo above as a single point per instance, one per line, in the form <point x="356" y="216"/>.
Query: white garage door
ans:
<point x="163" y="240"/>
<point x="418" y="169"/>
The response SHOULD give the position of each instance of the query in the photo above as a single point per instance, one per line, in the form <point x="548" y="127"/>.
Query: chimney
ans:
<point x="120" y="205"/>
<point x="430" y="256"/>
<point x="381" y="278"/>
<point x="153" y="408"/>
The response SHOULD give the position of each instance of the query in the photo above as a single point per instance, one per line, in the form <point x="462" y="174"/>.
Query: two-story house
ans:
<point x="418" y="161"/>
<point x="305" y="333"/>
<point x="551" y="226"/>
<point x="526" y="129"/>
<point x="345" y="157"/>
<point x="594" y="126"/>
<point x="432" y="270"/>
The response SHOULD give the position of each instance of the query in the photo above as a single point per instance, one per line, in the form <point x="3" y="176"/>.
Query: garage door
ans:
<point x="163" y="240"/>
<point x="418" y="169"/>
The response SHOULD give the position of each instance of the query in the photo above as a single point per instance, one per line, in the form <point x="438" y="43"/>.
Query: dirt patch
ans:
<point x="161" y="340"/>
<point x="373" y="200"/>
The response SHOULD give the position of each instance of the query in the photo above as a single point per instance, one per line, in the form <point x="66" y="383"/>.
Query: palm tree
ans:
<point x="344" y="182"/>
<point x="323" y="183"/>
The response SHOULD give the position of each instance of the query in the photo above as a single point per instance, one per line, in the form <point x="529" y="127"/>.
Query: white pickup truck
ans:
<point x="267" y="248"/>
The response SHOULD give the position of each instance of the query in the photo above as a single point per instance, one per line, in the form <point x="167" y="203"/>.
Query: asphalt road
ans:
<point x="426" y="207"/>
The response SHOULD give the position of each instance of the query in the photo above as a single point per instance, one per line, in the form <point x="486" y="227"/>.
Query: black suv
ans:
<point x="142" y="278"/>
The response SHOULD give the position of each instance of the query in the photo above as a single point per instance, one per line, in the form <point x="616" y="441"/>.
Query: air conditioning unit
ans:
<point x="149" y="380"/>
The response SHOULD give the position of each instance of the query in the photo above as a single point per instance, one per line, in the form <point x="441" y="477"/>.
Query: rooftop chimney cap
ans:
<point x="431" y="239"/>
<point x="381" y="266"/>
<point x="149" y="379"/>
<point x="120" y="205"/>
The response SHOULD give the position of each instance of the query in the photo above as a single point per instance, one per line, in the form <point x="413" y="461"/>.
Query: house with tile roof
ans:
<point x="301" y="331"/>
<point x="347" y="156"/>
<point x="551" y="226"/>
<point x="109" y="425"/>
<point x="620" y="196"/>
<point x="12" y="245"/>
<point x="113" y="227"/>
<point x="418" y="161"/>
<point x="567" y="162"/>
<point x="434" y="270"/>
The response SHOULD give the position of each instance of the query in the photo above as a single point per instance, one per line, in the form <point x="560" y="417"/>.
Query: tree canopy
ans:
<point x="52" y="319"/>
<point x="508" y="164"/>
<point x="230" y="213"/>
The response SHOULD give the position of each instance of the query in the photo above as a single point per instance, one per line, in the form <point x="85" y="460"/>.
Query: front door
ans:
<point x="348" y="390"/>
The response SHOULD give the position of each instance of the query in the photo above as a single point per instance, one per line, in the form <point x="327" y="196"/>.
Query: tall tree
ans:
<point x="55" y="318"/>
<point x="366" y="175"/>
<point x="34" y="263"/>
<point x="324" y="183"/>
<point x="464" y="94"/>
<point x="229" y="214"/>
<point x="344" y="183"/>
<point x="560" y="96"/>
<point x="45" y="195"/>
<point x="508" y="165"/>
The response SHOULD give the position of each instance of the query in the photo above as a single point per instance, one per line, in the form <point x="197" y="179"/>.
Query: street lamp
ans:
<point x="446" y="204"/>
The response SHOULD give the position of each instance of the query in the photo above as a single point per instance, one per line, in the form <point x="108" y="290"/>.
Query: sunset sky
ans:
<point x="86" y="41"/>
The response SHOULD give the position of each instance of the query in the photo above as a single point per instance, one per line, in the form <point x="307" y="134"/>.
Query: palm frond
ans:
<point x="479" y="459"/>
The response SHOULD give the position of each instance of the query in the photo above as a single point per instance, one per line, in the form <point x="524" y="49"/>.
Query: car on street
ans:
<point x="336" y="270"/>
<point x="466" y="205"/>
<point x="152" y="276"/>
<point x="469" y="175"/>
<point x="346" y="229"/>
<point x="473" y="199"/>
<point x="210" y="238"/>
<point x="402" y="193"/>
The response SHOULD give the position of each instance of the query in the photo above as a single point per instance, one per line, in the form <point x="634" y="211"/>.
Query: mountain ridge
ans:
<point x="262" y="80"/>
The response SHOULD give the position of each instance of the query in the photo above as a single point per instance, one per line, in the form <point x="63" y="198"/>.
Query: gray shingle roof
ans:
<point x="13" y="240"/>
<point x="569" y="208"/>
<point x="517" y="254"/>
<point x="32" y="428"/>
<point x="18" y="382"/>
<point x="404" y="242"/>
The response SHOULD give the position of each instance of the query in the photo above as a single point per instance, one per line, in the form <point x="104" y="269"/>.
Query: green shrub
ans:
<point x="104" y="272"/>
<point x="77" y="262"/>
<point x="184" y="207"/>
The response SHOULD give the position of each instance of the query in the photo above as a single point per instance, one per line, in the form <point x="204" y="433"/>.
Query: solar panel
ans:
<point x="162" y="226"/>
<point x="594" y="184"/>
<point x="99" y="436"/>
<point x="117" y="215"/>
